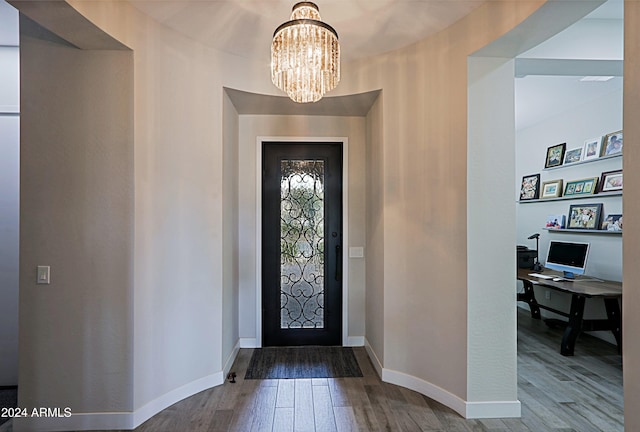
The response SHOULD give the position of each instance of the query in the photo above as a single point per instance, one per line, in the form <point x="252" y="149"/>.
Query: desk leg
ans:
<point x="574" y="326"/>
<point x="615" y="320"/>
<point x="529" y="297"/>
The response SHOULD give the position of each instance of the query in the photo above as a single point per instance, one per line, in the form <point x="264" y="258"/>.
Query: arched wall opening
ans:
<point x="484" y="66"/>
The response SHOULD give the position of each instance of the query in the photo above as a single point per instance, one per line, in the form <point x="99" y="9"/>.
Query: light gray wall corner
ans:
<point x="491" y="374"/>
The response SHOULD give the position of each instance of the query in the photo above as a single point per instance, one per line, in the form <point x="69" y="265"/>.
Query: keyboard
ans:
<point x="541" y="276"/>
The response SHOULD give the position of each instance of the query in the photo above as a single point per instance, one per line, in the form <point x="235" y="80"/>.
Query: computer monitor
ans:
<point x="567" y="257"/>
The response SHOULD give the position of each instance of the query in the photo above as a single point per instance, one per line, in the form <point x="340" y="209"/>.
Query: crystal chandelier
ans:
<point x="305" y="55"/>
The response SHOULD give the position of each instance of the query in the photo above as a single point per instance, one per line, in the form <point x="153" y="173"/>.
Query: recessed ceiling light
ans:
<point x="597" y="78"/>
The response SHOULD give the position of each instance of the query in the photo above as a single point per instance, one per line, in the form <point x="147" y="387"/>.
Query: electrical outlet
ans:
<point x="547" y="295"/>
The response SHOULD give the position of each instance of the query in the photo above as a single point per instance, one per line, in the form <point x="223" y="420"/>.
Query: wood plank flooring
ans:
<point x="560" y="394"/>
<point x="582" y="393"/>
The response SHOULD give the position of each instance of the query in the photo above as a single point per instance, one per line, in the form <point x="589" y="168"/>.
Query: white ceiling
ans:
<point x="541" y="97"/>
<point x="365" y="27"/>
<point x="369" y="27"/>
<point x="599" y="38"/>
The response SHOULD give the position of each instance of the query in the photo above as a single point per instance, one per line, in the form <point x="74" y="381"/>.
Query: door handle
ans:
<point x="338" y="262"/>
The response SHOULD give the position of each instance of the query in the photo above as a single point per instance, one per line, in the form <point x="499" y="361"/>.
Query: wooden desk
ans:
<point x="580" y="290"/>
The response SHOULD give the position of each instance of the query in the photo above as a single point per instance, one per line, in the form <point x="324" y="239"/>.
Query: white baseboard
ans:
<point x="230" y="360"/>
<point x="426" y="388"/>
<point x="377" y="364"/>
<point x="494" y="409"/>
<point x="152" y="408"/>
<point x="249" y="343"/>
<point x="468" y="410"/>
<point x="355" y="341"/>
<point x="117" y="420"/>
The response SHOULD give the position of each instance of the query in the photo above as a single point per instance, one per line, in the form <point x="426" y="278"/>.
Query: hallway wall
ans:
<point x="423" y="164"/>
<point x="231" y="264"/>
<point x="182" y="291"/>
<point x="422" y="147"/>
<point x="375" y="232"/>
<point x="182" y="228"/>
<point x="76" y="216"/>
<point x="491" y="358"/>
<point x="253" y="126"/>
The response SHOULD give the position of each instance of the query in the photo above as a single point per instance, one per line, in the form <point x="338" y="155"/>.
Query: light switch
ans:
<point x="44" y="275"/>
<point x="356" y="252"/>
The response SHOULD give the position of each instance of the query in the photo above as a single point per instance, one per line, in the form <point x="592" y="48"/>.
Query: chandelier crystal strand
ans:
<point x="305" y="55"/>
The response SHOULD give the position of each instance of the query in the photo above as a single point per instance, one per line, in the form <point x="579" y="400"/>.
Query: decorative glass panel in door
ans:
<point x="302" y="244"/>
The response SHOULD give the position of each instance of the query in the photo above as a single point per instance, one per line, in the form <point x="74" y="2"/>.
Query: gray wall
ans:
<point x="76" y="215"/>
<point x="492" y="368"/>
<point x="253" y="126"/>
<point x="419" y="215"/>
<point x="177" y="215"/>
<point x="631" y="287"/>
<point x="574" y="126"/>
<point x="375" y="322"/>
<point x="230" y="280"/>
<point x="9" y="192"/>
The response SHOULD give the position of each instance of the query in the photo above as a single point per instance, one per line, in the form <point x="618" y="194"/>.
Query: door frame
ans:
<point x="345" y="226"/>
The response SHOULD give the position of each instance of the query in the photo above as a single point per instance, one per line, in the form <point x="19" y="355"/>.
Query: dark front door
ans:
<point x="301" y="243"/>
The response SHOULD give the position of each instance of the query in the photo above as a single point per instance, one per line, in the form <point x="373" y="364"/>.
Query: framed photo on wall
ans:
<point x="612" y="222"/>
<point x="581" y="187"/>
<point x="584" y="216"/>
<point x="555" y="222"/>
<point x="611" y="181"/>
<point x="592" y="148"/>
<point x="551" y="189"/>
<point x="612" y="144"/>
<point x="555" y="155"/>
<point x="573" y="155"/>
<point x="530" y="187"/>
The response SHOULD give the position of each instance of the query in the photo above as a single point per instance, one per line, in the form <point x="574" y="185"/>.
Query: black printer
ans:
<point x="526" y="257"/>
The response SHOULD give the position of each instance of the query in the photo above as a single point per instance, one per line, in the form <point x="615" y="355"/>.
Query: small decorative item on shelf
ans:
<point x="611" y="181"/>
<point x="612" y="144"/>
<point x="573" y="155"/>
<point x="581" y="187"/>
<point x="530" y="188"/>
<point x="585" y="216"/>
<point x="555" y="222"/>
<point x="592" y="148"/>
<point x="555" y="155"/>
<point x="613" y="222"/>
<point x="551" y="189"/>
